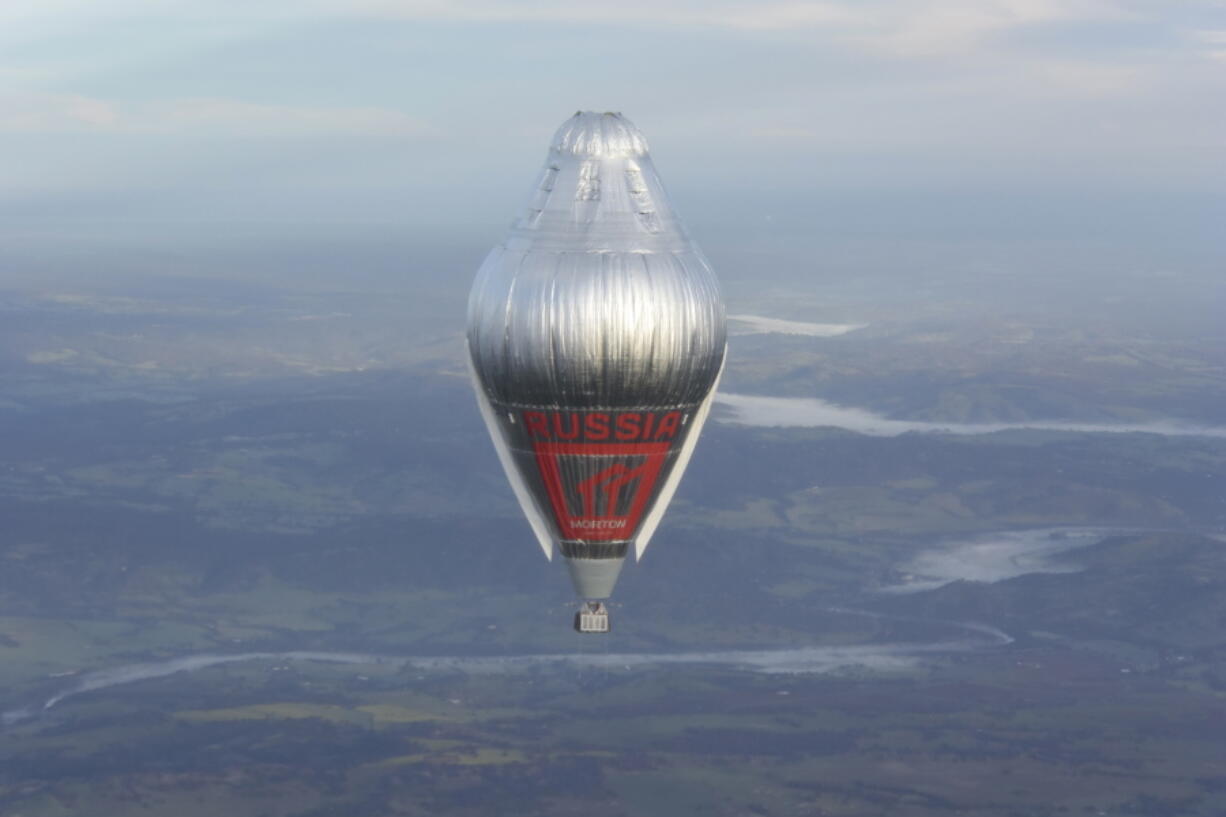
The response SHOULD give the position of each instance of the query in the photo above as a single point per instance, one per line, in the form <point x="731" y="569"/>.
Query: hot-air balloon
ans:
<point x="596" y="335"/>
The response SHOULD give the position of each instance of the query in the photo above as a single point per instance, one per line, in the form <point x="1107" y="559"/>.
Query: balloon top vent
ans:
<point x="599" y="135"/>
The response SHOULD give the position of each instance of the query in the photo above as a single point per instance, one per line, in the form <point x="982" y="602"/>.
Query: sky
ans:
<point x="214" y="123"/>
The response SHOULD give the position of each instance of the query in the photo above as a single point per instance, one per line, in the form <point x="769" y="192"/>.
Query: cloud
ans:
<point x="59" y="113"/>
<point x="903" y="90"/>
<point x="236" y="115"/>
<point x="41" y="113"/>
<point x="896" y="27"/>
<point x="933" y="28"/>
<point x="1213" y="43"/>
<point x="1080" y="78"/>
<point x="752" y="16"/>
<point x="901" y="28"/>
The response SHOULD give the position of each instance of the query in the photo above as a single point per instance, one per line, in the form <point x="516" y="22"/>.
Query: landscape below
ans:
<point x="250" y="472"/>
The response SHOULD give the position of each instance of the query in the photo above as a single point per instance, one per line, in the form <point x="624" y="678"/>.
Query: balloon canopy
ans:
<point x="596" y="336"/>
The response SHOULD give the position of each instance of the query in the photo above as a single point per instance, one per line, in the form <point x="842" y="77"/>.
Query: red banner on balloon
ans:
<point x="599" y="490"/>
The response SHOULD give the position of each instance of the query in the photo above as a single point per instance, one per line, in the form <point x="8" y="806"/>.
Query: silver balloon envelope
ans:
<point x="596" y="336"/>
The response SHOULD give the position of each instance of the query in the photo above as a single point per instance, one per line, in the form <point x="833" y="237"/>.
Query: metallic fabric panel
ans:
<point x="597" y="298"/>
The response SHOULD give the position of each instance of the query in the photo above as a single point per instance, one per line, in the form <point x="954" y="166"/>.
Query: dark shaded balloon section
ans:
<point x="596" y="335"/>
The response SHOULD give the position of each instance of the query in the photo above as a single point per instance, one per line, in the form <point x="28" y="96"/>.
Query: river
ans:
<point x="985" y="558"/>
<point x="815" y="659"/>
<point x="810" y="412"/>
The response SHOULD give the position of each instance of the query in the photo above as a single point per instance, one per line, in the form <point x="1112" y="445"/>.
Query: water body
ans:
<point x="758" y="325"/>
<point x="994" y="557"/>
<point x="820" y="659"/>
<point x="810" y="412"/>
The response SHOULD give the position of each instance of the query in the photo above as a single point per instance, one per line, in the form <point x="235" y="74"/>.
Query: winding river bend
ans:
<point x="985" y="558"/>
<point x="818" y="659"/>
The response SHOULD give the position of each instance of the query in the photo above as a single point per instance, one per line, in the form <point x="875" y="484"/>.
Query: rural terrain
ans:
<point x="1017" y="620"/>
